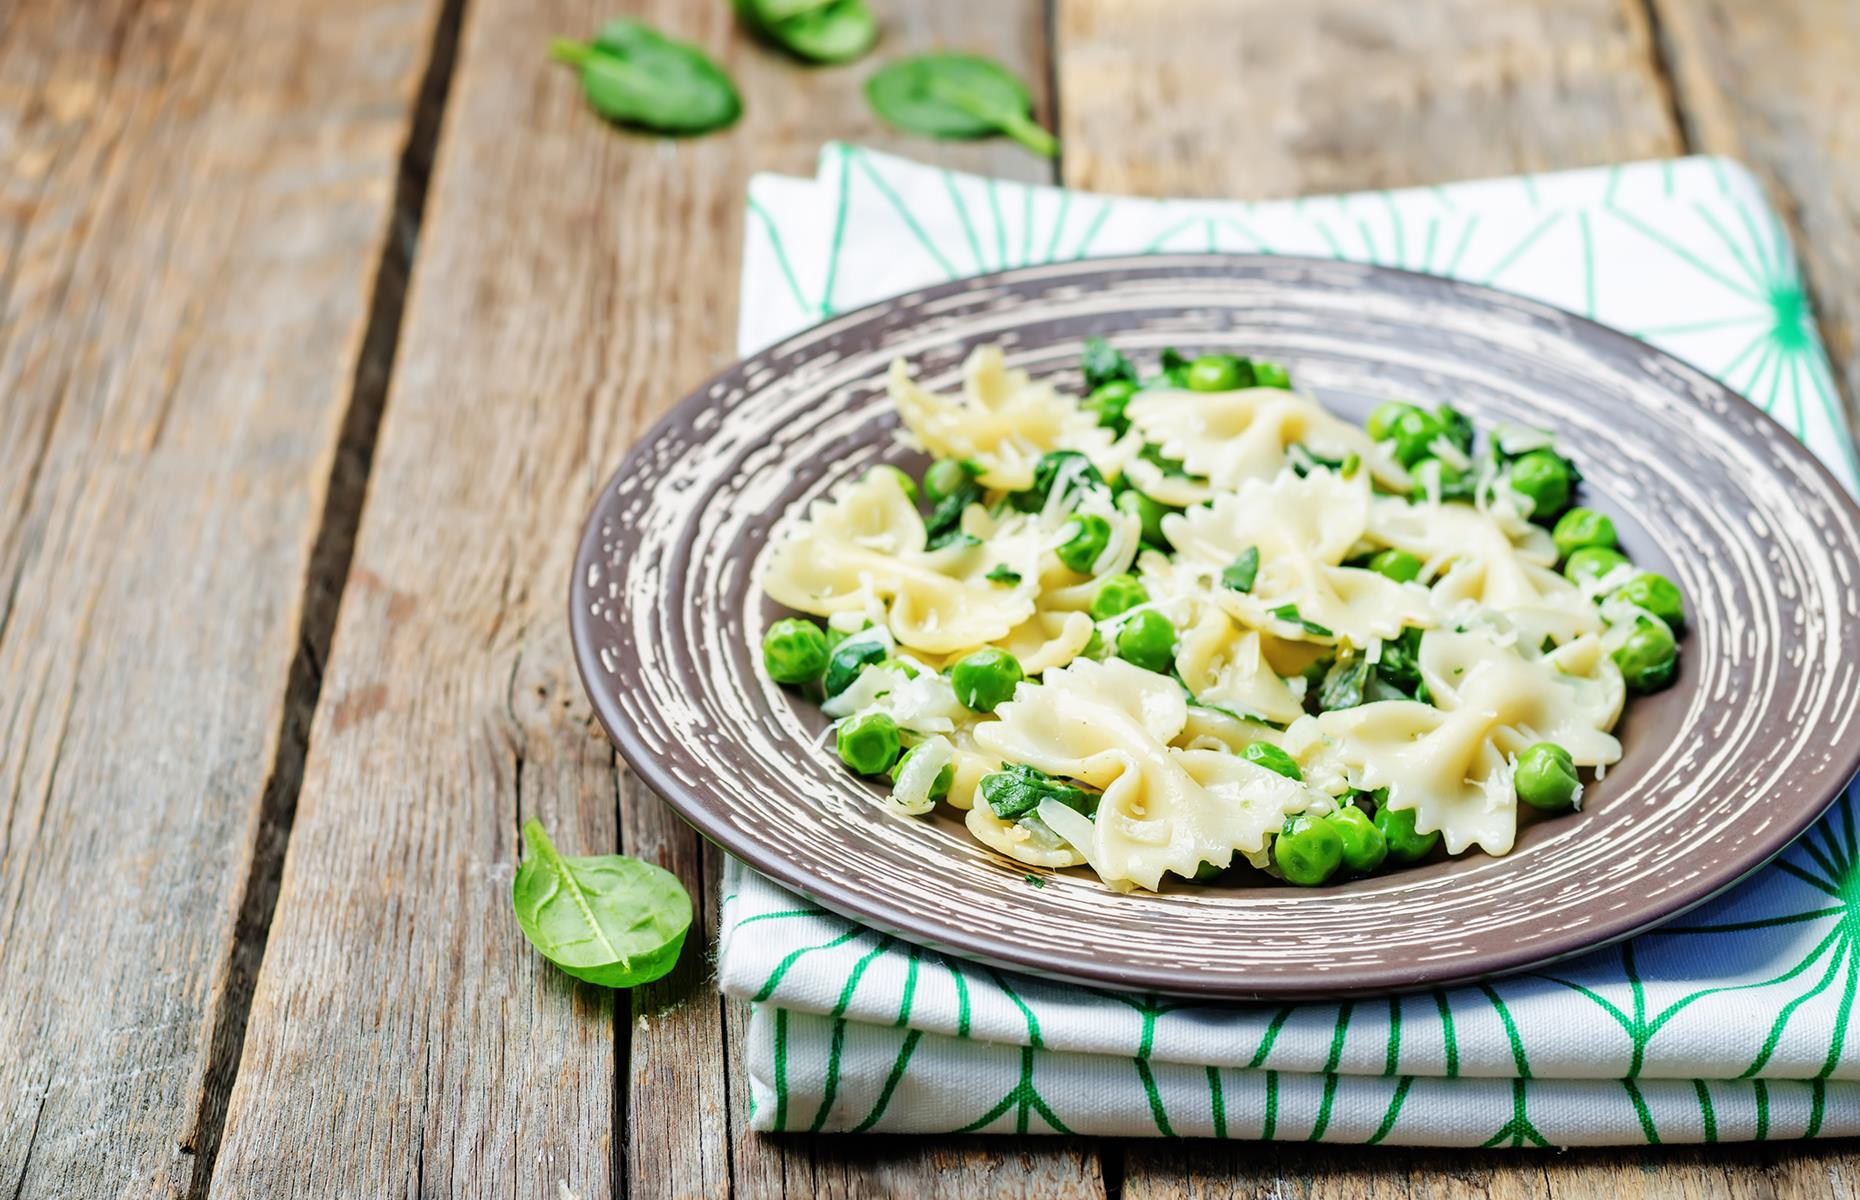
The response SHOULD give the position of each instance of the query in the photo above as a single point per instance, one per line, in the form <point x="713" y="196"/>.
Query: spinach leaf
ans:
<point x="945" y="519"/>
<point x="1003" y="574"/>
<point x="1289" y="614"/>
<point x="957" y="96"/>
<point x="1343" y="684"/>
<point x="1017" y="789"/>
<point x="1400" y="663"/>
<point x="1102" y="364"/>
<point x="1173" y="372"/>
<point x="608" y="919"/>
<point x="951" y="537"/>
<point x="1152" y="453"/>
<point x="1240" y="574"/>
<point x="848" y="662"/>
<point x="1046" y="472"/>
<point x="822" y="31"/>
<point x="639" y="77"/>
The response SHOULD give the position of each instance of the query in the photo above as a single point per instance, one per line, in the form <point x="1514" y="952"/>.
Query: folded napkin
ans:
<point x="1729" y="1024"/>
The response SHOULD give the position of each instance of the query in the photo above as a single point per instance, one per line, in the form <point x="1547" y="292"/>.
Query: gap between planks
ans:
<point x="324" y="580"/>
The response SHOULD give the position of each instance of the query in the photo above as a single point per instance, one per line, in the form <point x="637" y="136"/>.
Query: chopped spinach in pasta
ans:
<point x="1191" y="621"/>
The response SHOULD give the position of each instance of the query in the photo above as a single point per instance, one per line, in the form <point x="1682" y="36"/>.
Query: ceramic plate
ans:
<point x="1720" y="772"/>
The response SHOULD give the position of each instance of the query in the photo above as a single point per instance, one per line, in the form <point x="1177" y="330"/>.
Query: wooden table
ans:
<point x="324" y="321"/>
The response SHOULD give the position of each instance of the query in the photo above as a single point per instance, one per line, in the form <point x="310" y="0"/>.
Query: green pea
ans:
<point x="1381" y="423"/>
<point x="944" y="479"/>
<point x="868" y="743"/>
<point x="1149" y="513"/>
<point x="1217" y="373"/>
<point x="1109" y="400"/>
<point x="939" y="787"/>
<point x="1308" y="850"/>
<point x="1543" y="477"/>
<point x="1364" y="847"/>
<point x="985" y="679"/>
<point x="1593" y="562"/>
<point x="1658" y="595"/>
<point x="1581" y="528"/>
<point x="794" y="651"/>
<point x="1649" y="658"/>
<point x="1090" y="534"/>
<point x="904" y="481"/>
<point x="1546" y="777"/>
<point x="1398" y="565"/>
<point x="1406" y="845"/>
<point x="1414" y="436"/>
<point x="1147" y="640"/>
<point x="1118" y="594"/>
<point x="846" y="663"/>
<point x="1432" y="477"/>
<point x="1272" y="758"/>
<point x="1272" y="375"/>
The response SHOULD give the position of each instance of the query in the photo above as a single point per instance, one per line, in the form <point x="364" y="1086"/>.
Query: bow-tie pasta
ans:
<point x="1189" y="628"/>
<point x="1224" y="439"/>
<point x="1002" y="421"/>
<point x="1299" y="531"/>
<point x="1110" y="727"/>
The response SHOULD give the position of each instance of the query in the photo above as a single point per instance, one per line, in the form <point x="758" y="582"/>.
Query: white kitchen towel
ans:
<point x="1730" y="1024"/>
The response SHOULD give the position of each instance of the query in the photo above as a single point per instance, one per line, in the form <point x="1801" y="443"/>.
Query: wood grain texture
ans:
<point x="1255" y="98"/>
<point x="1776" y="85"/>
<point x="1220" y="1171"/>
<point x="195" y="197"/>
<point x="572" y="281"/>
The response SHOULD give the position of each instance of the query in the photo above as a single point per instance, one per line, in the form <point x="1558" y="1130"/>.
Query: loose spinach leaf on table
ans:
<point x="639" y="77"/>
<point x="957" y="96"/>
<point x="606" y="918"/>
<point x="822" y="31"/>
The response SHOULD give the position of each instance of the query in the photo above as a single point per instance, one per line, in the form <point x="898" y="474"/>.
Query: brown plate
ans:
<point x="1720" y="772"/>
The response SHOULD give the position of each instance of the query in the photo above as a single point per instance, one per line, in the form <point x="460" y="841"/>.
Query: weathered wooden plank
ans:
<point x="1776" y="1171"/>
<point x="195" y="200"/>
<point x="1773" y="84"/>
<point x="1254" y="98"/>
<point x="1219" y="1171"/>
<point x="571" y="283"/>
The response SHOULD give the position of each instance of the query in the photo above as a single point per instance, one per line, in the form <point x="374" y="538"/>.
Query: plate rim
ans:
<point x="873" y="908"/>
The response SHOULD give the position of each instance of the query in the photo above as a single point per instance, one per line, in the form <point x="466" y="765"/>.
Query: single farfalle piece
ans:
<point x="1002" y="421"/>
<point x="866" y="547"/>
<point x="1224" y="665"/>
<point x="1163" y="809"/>
<point x="1473" y="559"/>
<point x="1451" y="762"/>
<point x="1224" y="439"/>
<point x="1294" y="532"/>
